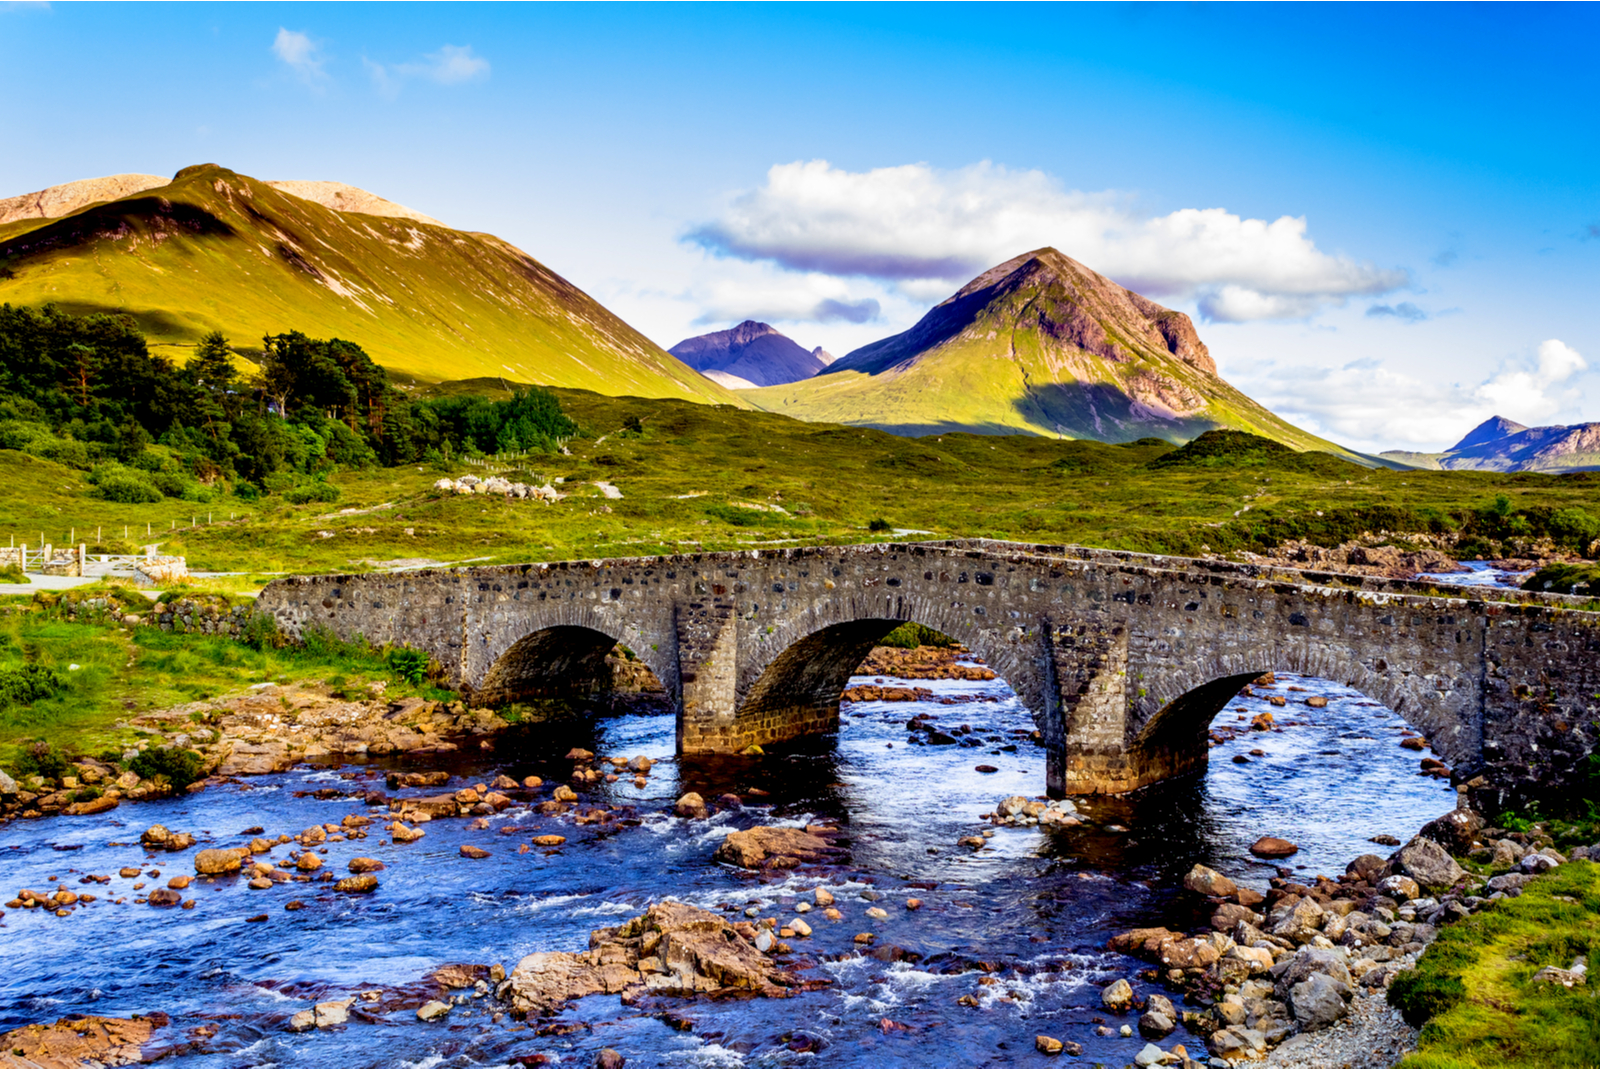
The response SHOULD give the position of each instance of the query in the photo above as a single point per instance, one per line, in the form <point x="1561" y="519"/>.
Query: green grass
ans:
<point x="1472" y="984"/>
<point x="1566" y="579"/>
<point x="689" y="482"/>
<point x="226" y="252"/>
<point x="122" y="672"/>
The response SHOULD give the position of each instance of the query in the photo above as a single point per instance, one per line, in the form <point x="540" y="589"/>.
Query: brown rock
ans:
<point x="404" y="834"/>
<point x="365" y="864"/>
<point x="564" y="793"/>
<point x="474" y="852"/>
<point x="1210" y="882"/>
<point x="691" y="805"/>
<point x="750" y="849"/>
<point x="80" y="1041"/>
<point x="308" y="862"/>
<point x="218" y="862"/>
<point x="549" y="840"/>
<point x="609" y="1059"/>
<point x="532" y="781"/>
<point x="92" y="806"/>
<point x="365" y="883"/>
<point x="178" y="883"/>
<point x="1414" y="743"/>
<point x="163" y="896"/>
<point x="1268" y="847"/>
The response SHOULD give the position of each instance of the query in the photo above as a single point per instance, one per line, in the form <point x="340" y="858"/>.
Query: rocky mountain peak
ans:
<point x="750" y="354"/>
<point x="1491" y="429"/>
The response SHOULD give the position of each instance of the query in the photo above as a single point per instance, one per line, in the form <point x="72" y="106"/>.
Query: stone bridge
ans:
<point x="1123" y="659"/>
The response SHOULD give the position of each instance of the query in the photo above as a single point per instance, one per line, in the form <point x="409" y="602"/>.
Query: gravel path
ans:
<point x="1372" y="1037"/>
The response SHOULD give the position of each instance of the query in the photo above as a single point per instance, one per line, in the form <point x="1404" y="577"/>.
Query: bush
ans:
<point x="261" y="632"/>
<point x="39" y="760"/>
<point x="304" y="495"/>
<point x="409" y="664"/>
<point x="12" y="573"/>
<point x="910" y="635"/>
<point x="880" y="524"/>
<point x="27" y="684"/>
<point x="128" y="489"/>
<point x="177" y="766"/>
<point x="1423" y="994"/>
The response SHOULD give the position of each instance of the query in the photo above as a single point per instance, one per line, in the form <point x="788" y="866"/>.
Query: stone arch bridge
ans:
<point x="1122" y="658"/>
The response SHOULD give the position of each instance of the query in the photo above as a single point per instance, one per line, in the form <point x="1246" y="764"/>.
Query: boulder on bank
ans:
<point x="1456" y="831"/>
<point x="769" y="847"/>
<point x="1426" y="862"/>
<point x="1210" y="882"/>
<point x="670" y="949"/>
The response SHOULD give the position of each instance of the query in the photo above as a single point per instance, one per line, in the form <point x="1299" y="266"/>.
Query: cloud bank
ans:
<point x="922" y="230"/>
<point x="1367" y="403"/>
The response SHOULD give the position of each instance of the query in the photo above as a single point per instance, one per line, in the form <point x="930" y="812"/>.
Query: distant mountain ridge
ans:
<point x="1039" y="344"/>
<point x="216" y="250"/>
<point x="1499" y="444"/>
<point x="749" y="355"/>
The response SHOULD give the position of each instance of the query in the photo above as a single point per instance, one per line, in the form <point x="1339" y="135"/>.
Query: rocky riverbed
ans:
<point x="304" y="916"/>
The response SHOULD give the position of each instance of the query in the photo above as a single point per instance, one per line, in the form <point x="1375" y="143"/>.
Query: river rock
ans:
<point x="164" y="896"/>
<point x="1210" y="882"/>
<point x="1456" y="831"/>
<point x="365" y="864"/>
<point x="7" y="784"/>
<point x="1150" y="1055"/>
<point x="1318" y="1001"/>
<point x="691" y="805"/>
<point x="255" y="759"/>
<point x="670" y="949"/>
<point x="477" y="853"/>
<point x="365" y="883"/>
<point x="102" y="804"/>
<point x="1367" y="867"/>
<point x="308" y="862"/>
<point x="432" y="1011"/>
<point x="1229" y="914"/>
<point x="218" y="862"/>
<point x="1306" y="962"/>
<point x="1269" y="847"/>
<point x="609" y="1059"/>
<point x="1156" y="1025"/>
<point x="1399" y="888"/>
<point x="303" y="1021"/>
<point x="333" y="1012"/>
<point x="1426" y="862"/>
<point x="1117" y="996"/>
<point x="404" y="834"/>
<point x="80" y="1041"/>
<point x="765" y="846"/>
<point x="1047" y="1044"/>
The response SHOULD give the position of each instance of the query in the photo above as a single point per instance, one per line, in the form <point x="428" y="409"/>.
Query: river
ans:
<point x="1030" y="915"/>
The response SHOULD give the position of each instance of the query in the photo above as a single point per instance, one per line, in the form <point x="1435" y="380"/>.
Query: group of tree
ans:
<point x="87" y="391"/>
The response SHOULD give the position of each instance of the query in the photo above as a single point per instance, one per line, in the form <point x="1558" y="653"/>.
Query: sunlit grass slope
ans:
<point x="215" y="250"/>
<point x="706" y="477"/>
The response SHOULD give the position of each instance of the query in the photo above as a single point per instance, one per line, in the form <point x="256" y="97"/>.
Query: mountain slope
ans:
<point x="1498" y="444"/>
<point x="757" y="353"/>
<point x="1038" y="345"/>
<point x="215" y="250"/>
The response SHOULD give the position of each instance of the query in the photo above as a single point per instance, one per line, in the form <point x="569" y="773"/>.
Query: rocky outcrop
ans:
<point x="56" y="201"/>
<point x="671" y="949"/>
<point x="773" y="848"/>
<point x="79" y="1042"/>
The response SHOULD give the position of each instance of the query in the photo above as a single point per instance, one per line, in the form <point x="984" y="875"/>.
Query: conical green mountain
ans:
<point x="215" y="250"/>
<point x="1038" y="345"/>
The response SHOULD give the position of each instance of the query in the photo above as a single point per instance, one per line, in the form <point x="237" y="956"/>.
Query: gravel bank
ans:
<point x="1372" y="1037"/>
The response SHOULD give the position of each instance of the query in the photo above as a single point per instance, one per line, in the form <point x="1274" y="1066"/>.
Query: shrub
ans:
<point x="26" y="684"/>
<point x="12" y="573"/>
<point x="128" y="489"/>
<point x="910" y="635"/>
<point x="319" y="491"/>
<point x="1422" y="994"/>
<point x="40" y="760"/>
<point x="880" y="524"/>
<point x="179" y="767"/>
<point x="261" y="631"/>
<point x="409" y="664"/>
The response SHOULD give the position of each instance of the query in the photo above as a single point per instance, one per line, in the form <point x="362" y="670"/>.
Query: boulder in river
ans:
<point x="1210" y="882"/>
<point x="1117" y="996"/>
<point x="670" y="949"/>
<point x="360" y="884"/>
<point x="764" y="846"/>
<point x="692" y="806"/>
<point x="1269" y="847"/>
<point x="218" y="862"/>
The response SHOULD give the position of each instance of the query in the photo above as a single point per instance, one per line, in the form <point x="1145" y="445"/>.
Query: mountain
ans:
<point x="1498" y="444"/>
<point x="216" y="250"/>
<point x="750" y="354"/>
<point x="1038" y="345"/>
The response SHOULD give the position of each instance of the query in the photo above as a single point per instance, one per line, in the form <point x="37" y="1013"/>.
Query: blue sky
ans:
<point x="1384" y="218"/>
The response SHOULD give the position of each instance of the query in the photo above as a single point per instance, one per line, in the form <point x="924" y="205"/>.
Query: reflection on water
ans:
<point x="1031" y="913"/>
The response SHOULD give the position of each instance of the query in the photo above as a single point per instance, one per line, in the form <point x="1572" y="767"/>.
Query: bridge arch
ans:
<point x="791" y="684"/>
<point x="1170" y="717"/>
<point x="560" y="653"/>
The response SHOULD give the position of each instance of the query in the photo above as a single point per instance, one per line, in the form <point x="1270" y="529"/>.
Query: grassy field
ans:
<point x="106" y="673"/>
<point x="1472" y="986"/>
<point x="703" y="477"/>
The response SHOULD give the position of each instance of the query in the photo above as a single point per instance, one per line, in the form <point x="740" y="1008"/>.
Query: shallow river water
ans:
<point x="1032" y="912"/>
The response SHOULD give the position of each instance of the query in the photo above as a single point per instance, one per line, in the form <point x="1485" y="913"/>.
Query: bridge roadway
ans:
<point x="1122" y="658"/>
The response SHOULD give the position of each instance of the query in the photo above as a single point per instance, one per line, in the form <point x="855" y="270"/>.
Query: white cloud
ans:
<point x="923" y="229"/>
<point x="1370" y="406"/>
<point x="301" y="54"/>
<point x="451" y="65"/>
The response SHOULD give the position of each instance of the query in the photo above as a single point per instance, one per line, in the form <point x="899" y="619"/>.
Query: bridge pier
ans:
<point x="707" y="634"/>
